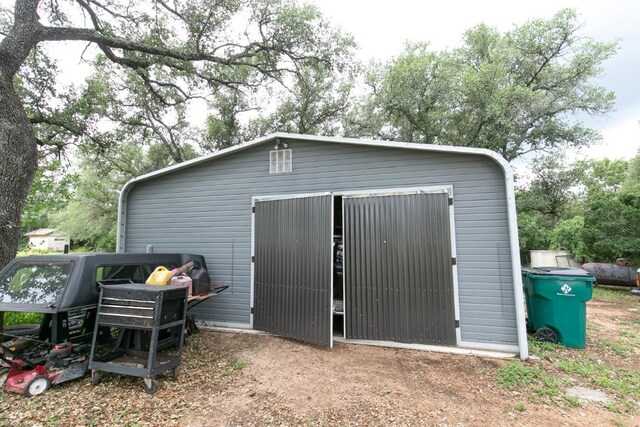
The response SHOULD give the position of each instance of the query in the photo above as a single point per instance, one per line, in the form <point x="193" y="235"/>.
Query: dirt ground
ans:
<point x="250" y="379"/>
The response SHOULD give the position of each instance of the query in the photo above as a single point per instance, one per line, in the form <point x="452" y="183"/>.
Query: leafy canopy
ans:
<point x="513" y="92"/>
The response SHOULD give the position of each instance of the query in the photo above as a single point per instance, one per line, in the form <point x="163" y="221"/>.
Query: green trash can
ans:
<point x="556" y="303"/>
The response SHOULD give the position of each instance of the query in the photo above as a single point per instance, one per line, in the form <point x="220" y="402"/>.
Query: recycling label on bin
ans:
<point x="566" y="289"/>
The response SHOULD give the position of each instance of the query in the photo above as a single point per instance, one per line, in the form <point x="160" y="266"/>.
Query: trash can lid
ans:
<point x="557" y="271"/>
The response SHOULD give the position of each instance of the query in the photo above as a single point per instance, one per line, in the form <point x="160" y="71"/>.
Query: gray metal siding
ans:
<point x="398" y="273"/>
<point x="206" y="209"/>
<point x="292" y="269"/>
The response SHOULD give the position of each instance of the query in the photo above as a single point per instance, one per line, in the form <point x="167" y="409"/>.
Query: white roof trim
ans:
<point x="508" y="174"/>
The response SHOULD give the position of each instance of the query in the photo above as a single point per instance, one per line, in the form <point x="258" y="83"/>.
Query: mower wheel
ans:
<point x="37" y="386"/>
<point x="150" y="385"/>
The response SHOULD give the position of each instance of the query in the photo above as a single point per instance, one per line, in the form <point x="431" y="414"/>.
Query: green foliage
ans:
<point x="313" y="100"/>
<point x="590" y="208"/>
<point x="572" y="401"/>
<point x="604" y="175"/>
<point x="620" y="348"/>
<point x="550" y="191"/>
<point x="568" y="234"/>
<point x="584" y="368"/>
<point x="516" y="375"/>
<point x="90" y="218"/>
<point x="239" y="365"/>
<point x="625" y="382"/>
<point x="14" y="318"/>
<point x="612" y="225"/>
<point x="51" y="191"/>
<point x="533" y="233"/>
<point x="411" y="97"/>
<point x="632" y="181"/>
<point x="542" y="349"/>
<point x="545" y="201"/>
<point x="154" y="64"/>
<point x="314" y="103"/>
<point x="510" y="92"/>
<point x="540" y="385"/>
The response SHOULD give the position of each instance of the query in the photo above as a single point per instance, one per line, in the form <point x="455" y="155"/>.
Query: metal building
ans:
<point x="367" y="241"/>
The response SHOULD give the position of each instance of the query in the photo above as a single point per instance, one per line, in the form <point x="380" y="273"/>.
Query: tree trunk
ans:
<point x="18" y="161"/>
<point x="18" y="147"/>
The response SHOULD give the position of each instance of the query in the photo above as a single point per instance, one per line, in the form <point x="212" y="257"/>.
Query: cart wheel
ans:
<point x="547" y="334"/>
<point x="96" y="378"/>
<point x="174" y="374"/>
<point x="37" y="386"/>
<point x="150" y="385"/>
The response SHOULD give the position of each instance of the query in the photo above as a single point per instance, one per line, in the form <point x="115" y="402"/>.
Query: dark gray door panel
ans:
<point x="292" y="268"/>
<point x="398" y="274"/>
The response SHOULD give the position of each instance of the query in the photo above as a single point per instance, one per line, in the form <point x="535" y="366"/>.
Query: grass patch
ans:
<point x="585" y="368"/>
<point x="613" y="294"/>
<point x="517" y="375"/>
<point x="624" y="382"/>
<point x="632" y="337"/>
<point x="521" y="407"/>
<point x="572" y="401"/>
<point x="235" y="364"/>
<point x="618" y="347"/>
<point x="542" y="349"/>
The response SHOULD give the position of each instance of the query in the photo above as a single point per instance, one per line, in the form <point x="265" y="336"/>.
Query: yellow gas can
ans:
<point x="160" y="276"/>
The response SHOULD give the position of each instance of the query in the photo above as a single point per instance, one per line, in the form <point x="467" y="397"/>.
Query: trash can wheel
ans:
<point x="547" y="335"/>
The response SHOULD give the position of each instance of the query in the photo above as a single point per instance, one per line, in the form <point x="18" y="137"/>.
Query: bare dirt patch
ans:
<point x="251" y="379"/>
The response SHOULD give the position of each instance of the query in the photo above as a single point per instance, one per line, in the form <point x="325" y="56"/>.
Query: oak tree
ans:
<point x="153" y="57"/>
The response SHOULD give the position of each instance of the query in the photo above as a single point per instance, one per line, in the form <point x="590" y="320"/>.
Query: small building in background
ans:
<point x="47" y="239"/>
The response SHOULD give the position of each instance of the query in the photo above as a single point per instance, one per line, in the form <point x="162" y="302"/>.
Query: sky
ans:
<point x="381" y="29"/>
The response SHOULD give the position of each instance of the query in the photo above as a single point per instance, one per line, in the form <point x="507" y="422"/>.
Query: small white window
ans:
<point x="280" y="161"/>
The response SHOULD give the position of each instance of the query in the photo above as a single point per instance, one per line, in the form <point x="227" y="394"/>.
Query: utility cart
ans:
<point x="63" y="291"/>
<point x="140" y="313"/>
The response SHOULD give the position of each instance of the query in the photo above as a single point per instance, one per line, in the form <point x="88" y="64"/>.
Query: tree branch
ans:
<point x="92" y="15"/>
